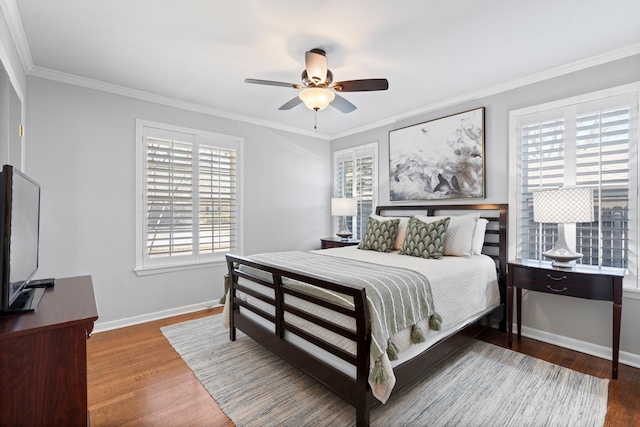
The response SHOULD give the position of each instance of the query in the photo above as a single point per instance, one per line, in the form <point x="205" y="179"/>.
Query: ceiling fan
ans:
<point x="318" y="87"/>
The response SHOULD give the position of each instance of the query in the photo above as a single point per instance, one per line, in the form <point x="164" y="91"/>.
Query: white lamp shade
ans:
<point x="563" y="205"/>
<point x="316" y="98"/>
<point x="341" y="206"/>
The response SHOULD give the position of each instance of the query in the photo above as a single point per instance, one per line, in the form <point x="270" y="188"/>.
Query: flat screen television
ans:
<point x="19" y="240"/>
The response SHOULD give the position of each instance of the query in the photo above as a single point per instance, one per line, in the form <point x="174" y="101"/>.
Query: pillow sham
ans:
<point x="380" y="236"/>
<point x="478" y="236"/>
<point x="402" y="228"/>
<point x="425" y="239"/>
<point x="460" y="234"/>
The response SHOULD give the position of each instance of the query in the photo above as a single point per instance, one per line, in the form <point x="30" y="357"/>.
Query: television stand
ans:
<point x="27" y="301"/>
<point x="43" y="358"/>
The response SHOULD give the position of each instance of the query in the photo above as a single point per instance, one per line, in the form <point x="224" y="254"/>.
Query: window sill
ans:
<point x="631" y="293"/>
<point x="160" y="269"/>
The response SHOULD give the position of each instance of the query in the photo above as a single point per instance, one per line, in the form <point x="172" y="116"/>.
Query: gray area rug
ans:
<point x="481" y="385"/>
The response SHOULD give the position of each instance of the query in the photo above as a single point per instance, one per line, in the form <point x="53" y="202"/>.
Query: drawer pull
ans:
<point x="556" y="290"/>
<point x="556" y="278"/>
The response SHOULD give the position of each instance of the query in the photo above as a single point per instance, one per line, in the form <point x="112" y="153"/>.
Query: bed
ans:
<point x="331" y="339"/>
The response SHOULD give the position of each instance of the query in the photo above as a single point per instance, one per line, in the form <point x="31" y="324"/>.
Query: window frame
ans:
<point x="143" y="264"/>
<point x="631" y="282"/>
<point x="353" y="153"/>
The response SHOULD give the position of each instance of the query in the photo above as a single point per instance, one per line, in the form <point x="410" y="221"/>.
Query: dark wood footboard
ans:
<point x="356" y="391"/>
<point x="353" y="391"/>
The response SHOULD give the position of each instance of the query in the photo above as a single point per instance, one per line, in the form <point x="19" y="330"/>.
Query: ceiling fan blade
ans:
<point x="361" y="85"/>
<point x="290" y="104"/>
<point x="341" y="104"/>
<point x="272" y="83"/>
<point x="316" y="65"/>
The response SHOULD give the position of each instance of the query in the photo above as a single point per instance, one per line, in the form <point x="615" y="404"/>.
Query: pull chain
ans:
<point x="315" y="119"/>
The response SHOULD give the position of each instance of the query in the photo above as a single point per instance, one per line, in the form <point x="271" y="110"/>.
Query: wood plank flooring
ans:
<point x="135" y="378"/>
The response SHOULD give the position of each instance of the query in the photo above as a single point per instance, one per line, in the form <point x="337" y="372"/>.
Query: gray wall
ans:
<point x="584" y="325"/>
<point x="80" y="148"/>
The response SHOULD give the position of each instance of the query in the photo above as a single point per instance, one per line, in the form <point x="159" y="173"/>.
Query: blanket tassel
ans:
<point x="378" y="375"/>
<point x="435" y="322"/>
<point x="417" y="336"/>
<point x="392" y="350"/>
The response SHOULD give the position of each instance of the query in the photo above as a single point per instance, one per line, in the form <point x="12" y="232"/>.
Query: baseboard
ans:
<point x="603" y="352"/>
<point x="136" y="320"/>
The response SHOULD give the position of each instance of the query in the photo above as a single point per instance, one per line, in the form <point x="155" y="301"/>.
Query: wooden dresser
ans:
<point x="43" y="358"/>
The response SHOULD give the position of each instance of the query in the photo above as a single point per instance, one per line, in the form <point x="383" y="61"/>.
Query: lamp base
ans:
<point x="562" y="258"/>
<point x="562" y="255"/>
<point x="345" y="235"/>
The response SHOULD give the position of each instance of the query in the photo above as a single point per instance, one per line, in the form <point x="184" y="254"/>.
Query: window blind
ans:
<point x="169" y="197"/>
<point x="217" y="195"/>
<point x="586" y="145"/>
<point x="189" y="196"/>
<point x="355" y="176"/>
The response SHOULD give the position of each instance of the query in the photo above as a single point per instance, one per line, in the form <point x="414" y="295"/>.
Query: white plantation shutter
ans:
<point x="603" y="140"/>
<point x="356" y="176"/>
<point x="188" y="207"/>
<point x="169" y="181"/>
<point x="583" y="144"/>
<point x="542" y="146"/>
<point x="217" y="195"/>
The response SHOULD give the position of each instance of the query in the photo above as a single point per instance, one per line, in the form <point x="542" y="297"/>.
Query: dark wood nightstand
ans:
<point x="336" y="242"/>
<point x="583" y="281"/>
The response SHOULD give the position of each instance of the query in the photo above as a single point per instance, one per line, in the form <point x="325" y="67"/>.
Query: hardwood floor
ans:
<point x="135" y="378"/>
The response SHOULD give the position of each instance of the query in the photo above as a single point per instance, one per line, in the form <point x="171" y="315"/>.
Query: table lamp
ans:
<point x="563" y="206"/>
<point x="344" y="207"/>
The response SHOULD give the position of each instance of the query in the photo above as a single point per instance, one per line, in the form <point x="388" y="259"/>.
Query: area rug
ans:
<point x="480" y="385"/>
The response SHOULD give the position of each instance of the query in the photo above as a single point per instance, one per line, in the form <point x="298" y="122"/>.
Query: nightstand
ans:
<point x="336" y="242"/>
<point x="583" y="281"/>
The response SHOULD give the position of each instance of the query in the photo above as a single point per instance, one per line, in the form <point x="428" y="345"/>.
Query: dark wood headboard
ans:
<point x="495" y="239"/>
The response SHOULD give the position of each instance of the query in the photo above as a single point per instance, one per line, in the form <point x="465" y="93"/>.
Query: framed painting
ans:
<point x="438" y="159"/>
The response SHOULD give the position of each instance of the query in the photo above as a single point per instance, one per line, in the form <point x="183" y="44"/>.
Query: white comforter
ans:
<point x="462" y="288"/>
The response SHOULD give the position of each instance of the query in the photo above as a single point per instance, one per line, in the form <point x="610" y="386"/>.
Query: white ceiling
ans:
<point x="432" y="52"/>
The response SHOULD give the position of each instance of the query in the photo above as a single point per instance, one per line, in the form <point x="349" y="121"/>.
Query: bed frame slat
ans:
<point x="319" y="301"/>
<point x="347" y="333"/>
<point x="336" y="351"/>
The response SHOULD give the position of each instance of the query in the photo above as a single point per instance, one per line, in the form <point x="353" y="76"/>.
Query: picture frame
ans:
<point x="438" y="159"/>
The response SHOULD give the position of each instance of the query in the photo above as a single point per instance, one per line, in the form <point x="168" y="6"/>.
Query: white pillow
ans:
<point x="402" y="228"/>
<point x="459" y="238"/>
<point x="478" y="236"/>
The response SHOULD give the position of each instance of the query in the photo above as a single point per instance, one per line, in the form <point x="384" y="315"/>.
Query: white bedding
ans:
<point x="463" y="289"/>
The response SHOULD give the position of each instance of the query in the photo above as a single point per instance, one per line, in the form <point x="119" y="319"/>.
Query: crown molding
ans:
<point x="72" y="79"/>
<point x="610" y="56"/>
<point x="571" y="67"/>
<point x="10" y="11"/>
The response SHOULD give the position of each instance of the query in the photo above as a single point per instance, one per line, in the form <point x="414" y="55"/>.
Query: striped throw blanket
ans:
<point x="397" y="298"/>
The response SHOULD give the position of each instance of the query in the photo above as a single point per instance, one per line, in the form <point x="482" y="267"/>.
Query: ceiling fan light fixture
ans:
<point x="316" y="98"/>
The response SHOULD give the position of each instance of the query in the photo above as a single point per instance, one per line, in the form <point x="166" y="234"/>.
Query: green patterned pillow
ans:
<point x="423" y="239"/>
<point x="380" y="235"/>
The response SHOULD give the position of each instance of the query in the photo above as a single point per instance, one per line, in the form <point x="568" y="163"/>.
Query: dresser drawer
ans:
<point x="597" y="287"/>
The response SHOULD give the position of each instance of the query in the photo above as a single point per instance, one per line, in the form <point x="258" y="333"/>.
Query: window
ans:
<point x="589" y="141"/>
<point x="356" y="175"/>
<point x="187" y="211"/>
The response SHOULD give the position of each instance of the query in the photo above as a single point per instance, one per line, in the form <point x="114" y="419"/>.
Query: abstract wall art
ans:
<point x="438" y="159"/>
